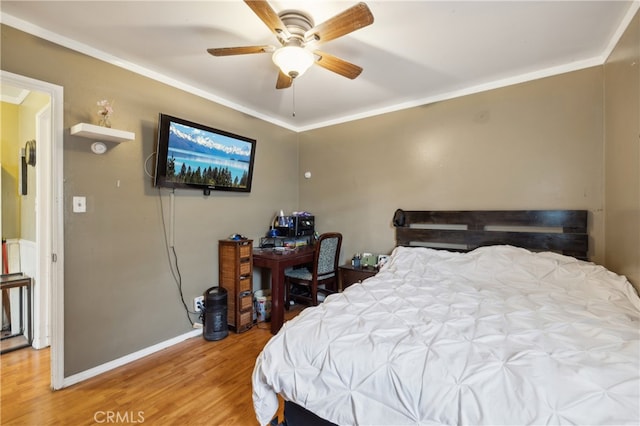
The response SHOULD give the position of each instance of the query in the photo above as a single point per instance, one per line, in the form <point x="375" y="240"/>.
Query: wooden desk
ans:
<point x="277" y="262"/>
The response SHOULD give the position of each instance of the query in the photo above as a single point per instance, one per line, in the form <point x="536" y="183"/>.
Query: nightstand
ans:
<point x="350" y="275"/>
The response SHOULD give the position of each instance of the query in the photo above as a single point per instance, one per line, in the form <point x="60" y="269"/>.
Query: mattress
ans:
<point x="499" y="336"/>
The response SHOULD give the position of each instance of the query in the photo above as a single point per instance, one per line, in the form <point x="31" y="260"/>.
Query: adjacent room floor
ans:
<point x="192" y="383"/>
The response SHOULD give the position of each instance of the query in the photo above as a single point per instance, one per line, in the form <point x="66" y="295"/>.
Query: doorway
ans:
<point x="48" y="258"/>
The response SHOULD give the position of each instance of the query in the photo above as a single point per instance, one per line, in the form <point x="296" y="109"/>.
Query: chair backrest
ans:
<point x="327" y="253"/>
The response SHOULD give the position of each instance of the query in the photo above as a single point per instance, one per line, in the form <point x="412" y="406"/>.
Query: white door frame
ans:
<point x="49" y="216"/>
<point x="41" y="294"/>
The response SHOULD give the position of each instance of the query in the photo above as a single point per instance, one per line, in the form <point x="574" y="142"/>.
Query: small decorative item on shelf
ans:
<point x="104" y="113"/>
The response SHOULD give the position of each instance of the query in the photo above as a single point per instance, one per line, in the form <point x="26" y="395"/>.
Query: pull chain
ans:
<point x="293" y="101"/>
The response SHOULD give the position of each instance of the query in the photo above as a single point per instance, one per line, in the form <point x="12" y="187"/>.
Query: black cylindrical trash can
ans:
<point x="215" y="314"/>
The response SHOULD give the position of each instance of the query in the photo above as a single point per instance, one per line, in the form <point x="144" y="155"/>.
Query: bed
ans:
<point x="477" y="318"/>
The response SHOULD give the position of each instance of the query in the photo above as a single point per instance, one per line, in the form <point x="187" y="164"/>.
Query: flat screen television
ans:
<point x="195" y="156"/>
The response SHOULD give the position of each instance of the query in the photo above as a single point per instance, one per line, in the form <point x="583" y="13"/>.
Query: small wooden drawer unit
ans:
<point x="351" y="275"/>
<point x="236" y="276"/>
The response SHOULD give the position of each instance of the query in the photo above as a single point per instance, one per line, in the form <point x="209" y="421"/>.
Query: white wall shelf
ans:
<point x="99" y="133"/>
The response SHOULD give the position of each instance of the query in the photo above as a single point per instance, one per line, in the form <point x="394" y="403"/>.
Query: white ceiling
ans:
<point x="12" y="95"/>
<point x="415" y="52"/>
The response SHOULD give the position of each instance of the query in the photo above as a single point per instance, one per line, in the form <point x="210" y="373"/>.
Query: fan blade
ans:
<point x="269" y="17"/>
<point x="343" y="23"/>
<point x="337" y="65"/>
<point x="243" y="50"/>
<point x="284" y="81"/>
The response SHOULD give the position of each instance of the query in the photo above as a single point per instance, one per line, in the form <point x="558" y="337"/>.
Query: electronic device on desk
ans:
<point x="285" y="242"/>
<point x="291" y="231"/>
<point x="296" y="225"/>
<point x="271" y="242"/>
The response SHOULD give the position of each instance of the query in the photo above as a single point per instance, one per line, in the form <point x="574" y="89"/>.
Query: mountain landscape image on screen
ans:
<point x="200" y="157"/>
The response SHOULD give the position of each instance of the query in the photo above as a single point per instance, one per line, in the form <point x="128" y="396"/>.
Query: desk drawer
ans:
<point x="349" y="275"/>
<point x="245" y="250"/>
<point x="245" y="283"/>
<point x="245" y="267"/>
<point x="246" y="321"/>
<point x="246" y="300"/>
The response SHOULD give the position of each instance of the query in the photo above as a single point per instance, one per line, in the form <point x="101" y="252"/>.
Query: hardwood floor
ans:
<point x="196" y="382"/>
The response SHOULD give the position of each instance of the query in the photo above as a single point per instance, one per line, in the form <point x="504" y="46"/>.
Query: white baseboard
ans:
<point x="92" y="372"/>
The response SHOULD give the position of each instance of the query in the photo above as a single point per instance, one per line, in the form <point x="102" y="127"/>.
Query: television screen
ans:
<point x="194" y="156"/>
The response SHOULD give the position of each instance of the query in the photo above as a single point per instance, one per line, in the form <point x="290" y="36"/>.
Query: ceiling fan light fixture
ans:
<point x="293" y="60"/>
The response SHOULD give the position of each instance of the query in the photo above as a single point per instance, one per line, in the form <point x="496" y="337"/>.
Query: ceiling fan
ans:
<point x="299" y="38"/>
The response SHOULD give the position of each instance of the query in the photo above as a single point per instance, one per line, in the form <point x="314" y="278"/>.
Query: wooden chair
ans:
<point x="322" y="276"/>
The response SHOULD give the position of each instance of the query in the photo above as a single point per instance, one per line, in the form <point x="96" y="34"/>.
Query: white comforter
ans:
<point x="496" y="336"/>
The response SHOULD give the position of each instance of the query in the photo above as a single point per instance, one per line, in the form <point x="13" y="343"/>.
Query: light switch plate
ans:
<point x="79" y="204"/>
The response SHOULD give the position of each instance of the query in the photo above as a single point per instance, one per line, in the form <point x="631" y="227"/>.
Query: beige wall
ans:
<point x="120" y="296"/>
<point x="622" y="155"/>
<point x="536" y="145"/>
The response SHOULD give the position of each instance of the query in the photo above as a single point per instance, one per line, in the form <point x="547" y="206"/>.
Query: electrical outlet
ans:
<point x="198" y="304"/>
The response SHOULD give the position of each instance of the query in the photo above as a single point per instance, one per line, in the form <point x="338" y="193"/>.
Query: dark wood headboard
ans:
<point x="562" y="231"/>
